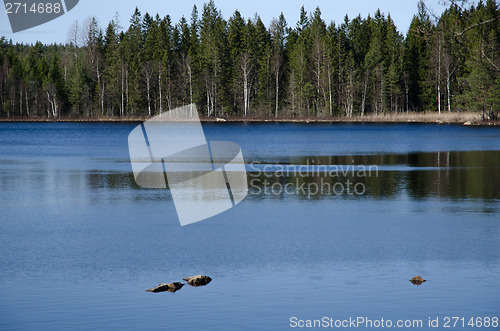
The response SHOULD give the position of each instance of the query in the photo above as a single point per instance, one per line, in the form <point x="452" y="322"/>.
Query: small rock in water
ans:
<point x="417" y="280"/>
<point x="166" y="287"/>
<point x="198" y="280"/>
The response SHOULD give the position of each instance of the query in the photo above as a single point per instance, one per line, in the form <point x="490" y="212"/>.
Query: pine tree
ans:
<point x="278" y="35"/>
<point x="235" y="38"/>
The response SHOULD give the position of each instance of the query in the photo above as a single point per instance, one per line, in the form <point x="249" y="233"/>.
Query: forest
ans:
<point x="240" y="67"/>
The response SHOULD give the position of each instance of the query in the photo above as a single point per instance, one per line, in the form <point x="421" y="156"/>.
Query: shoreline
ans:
<point x="466" y="118"/>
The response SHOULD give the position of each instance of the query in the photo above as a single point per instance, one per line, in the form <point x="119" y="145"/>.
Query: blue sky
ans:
<point x="401" y="11"/>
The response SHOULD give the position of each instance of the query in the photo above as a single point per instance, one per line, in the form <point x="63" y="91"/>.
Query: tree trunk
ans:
<point x="27" y="105"/>
<point x="122" y="109"/>
<point x="148" y="92"/>
<point x="207" y="86"/>
<point x="277" y="90"/>
<point x="126" y="88"/>
<point x="245" y="94"/>
<point x="159" y="89"/>
<point x="330" y="92"/>
<point x="50" y="103"/>
<point x="190" y="89"/>
<point x="363" y="102"/>
<point x="382" y="90"/>
<point x="448" y="89"/>
<point x="351" y="93"/>
<point x="406" y="89"/>
<point x="102" y="99"/>
<point x="21" y="100"/>
<point x="439" y="76"/>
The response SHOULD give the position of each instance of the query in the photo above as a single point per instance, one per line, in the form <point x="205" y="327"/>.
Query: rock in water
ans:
<point x="166" y="287"/>
<point x="417" y="280"/>
<point x="198" y="280"/>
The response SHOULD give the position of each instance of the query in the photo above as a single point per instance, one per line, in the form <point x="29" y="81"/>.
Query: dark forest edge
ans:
<point x="445" y="70"/>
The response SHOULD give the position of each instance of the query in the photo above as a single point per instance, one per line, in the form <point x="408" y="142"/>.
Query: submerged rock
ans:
<point x="198" y="280"/>
<point x="166" y="287"/>
<point x="417" y="280"/>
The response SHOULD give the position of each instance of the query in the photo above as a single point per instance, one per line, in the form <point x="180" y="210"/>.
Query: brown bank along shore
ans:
<point x="463" y="118"/>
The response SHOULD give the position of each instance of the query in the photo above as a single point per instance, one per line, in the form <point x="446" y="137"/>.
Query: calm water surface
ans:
<point x="80" y="241"/>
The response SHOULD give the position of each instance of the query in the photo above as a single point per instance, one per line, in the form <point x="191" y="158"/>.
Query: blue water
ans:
<point x="80" y="241"/>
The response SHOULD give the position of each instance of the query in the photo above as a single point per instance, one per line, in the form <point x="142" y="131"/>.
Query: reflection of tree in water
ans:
<point x="455" y="175"/>
<point x="459" y="175"/>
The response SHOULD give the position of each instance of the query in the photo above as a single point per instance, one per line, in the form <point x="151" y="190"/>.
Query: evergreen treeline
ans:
<point x="240" y="67"/>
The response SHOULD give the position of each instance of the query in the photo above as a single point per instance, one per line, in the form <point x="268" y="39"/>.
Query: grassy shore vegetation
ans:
<point x="360" y="69"/>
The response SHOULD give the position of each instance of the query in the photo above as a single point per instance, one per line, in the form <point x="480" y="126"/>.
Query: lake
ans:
<point x="80" y="241"/>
